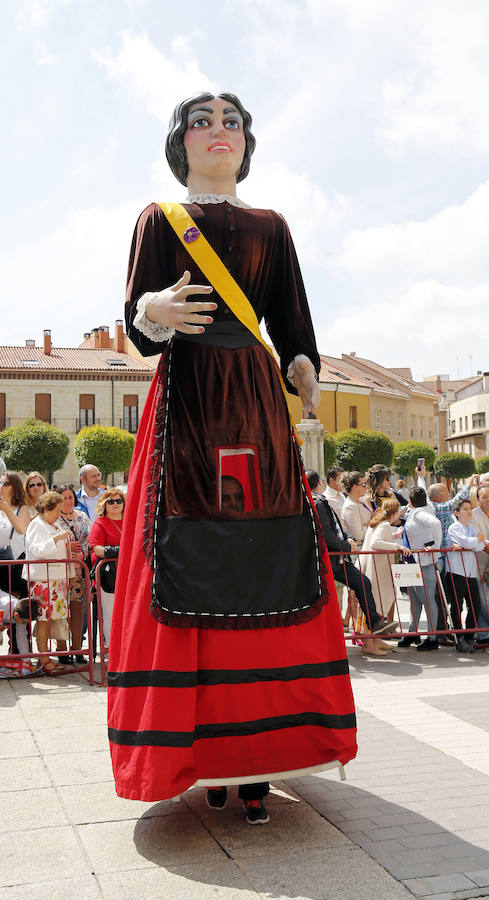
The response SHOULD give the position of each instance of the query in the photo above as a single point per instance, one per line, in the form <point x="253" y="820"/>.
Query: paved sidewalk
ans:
<point x="412" y="818"/>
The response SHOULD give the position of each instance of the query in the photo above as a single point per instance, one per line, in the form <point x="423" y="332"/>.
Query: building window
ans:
<point x="436" y="429"/>
<point x="87" y="410"/>
<point x="430" y="429"/>
<point x="399" y="424"/>
<point x="452" y="426"/>
<point x="466" y="423"/>
<point x="130" y="413"/>
<point x="460" y="424"/>
<point x="421" y="426"/>
<point x="388" y="423"/>
<point x="353" y="417"/>
<point x="479" y="420"/>
<point x="412" y="429"/>
<point x="378" y="420"/>
<point x="43" y="407"/>
<point x="3" y="420"/>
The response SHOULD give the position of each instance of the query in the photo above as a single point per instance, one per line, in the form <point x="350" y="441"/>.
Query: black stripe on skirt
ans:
<point x="167" y="678"/>
<point x="228" y="729"/>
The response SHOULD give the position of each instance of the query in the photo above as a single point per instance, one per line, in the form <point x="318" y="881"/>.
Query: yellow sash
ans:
<point x="216" y="273"/>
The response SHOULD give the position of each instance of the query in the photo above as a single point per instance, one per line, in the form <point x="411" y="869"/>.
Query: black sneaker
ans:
<point x="216" y="798"/>
<point x="428" y="645"/>
<point x="407" y="641"/>
<point x="81" y="660"/>
<point x="463" y="645"/>
<point x="256" y="812"/>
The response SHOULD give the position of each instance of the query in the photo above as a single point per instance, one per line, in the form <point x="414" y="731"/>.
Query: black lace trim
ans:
<point x="152" y="491"/>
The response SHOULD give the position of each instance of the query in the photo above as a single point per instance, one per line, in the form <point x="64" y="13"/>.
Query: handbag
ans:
<point x="108" y="571"/>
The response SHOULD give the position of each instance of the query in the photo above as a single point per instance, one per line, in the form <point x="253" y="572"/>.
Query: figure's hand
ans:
<point x="304" y="380"/>
<point x="171" y="308"/>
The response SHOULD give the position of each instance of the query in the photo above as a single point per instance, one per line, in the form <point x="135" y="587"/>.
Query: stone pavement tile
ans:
<point x="100" y="803"/>
<point x="417" y="887"/>
<point x="53" y="692"/>
<point x="83" y="888"/>
<point x="342" y="873"/>
<point x="42" y="852"/>
<point x="294" y="824"/>
<point x="11" y="719"/>
<point x="481" y="878"/>
<point x="177" y="839"/>
<point x="54" y="716"/>
<point x="38" y="808"/>
<point x="23" y="774"/>
<point x="17" y="744"/>
<point x="455" y="882"/>
<point x="80" y="768"/>
<point x="69" y="739"/>
<point x="223" y="880"/>
<point x="418" y="828"/>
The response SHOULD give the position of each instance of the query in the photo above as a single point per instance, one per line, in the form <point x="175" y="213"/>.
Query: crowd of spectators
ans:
<point x="361" y="514"/>
<point x="69" y="526"/>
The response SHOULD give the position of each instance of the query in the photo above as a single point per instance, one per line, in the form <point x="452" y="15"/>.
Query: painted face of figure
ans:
<point x="214" y="140"/>
<point x="232" y="498"/>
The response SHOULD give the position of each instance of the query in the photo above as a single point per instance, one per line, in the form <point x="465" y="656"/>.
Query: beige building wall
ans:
<point x="404" y="419"/>
<point x="469" y="425"/>
<point x="65" y="405"/>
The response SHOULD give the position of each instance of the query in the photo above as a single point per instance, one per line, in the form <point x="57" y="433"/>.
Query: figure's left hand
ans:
<point x="303" y="377"/>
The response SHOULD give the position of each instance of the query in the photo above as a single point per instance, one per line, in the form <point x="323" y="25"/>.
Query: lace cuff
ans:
<point x="153" y="331"/>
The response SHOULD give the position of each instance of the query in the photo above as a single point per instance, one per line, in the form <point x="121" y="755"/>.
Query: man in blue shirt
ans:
<point x="90" y="480"/>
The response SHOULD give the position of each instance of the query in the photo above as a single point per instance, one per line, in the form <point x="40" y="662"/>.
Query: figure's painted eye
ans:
<point x="200" y="123"/>
<point x="232" y="124"/>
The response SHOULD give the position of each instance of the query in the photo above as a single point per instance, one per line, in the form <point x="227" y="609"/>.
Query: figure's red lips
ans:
<point x="223" y="146"/>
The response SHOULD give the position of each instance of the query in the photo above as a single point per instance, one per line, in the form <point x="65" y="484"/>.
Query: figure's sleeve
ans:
<point x="287" y="317"/>
<point x="147" y="271"/>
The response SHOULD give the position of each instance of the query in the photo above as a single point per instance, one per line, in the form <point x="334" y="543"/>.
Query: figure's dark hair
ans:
<point x="27" y="609"/>
<point x="332" y="473"/>
<point x="417" y="496"/>
<point x="175" y="148"/>
<point x="459" y="503"/>
<point x="349" y="480"/>
<point x="18" y="496"/>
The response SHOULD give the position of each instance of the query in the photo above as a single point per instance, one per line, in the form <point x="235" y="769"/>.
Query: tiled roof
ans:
<point x="69" y="359"/>
<point x="389" y="379"/>
<point x="335" y="371"/>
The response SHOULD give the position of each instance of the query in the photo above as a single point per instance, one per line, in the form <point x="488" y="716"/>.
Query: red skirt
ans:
<point x="190" y="704"/>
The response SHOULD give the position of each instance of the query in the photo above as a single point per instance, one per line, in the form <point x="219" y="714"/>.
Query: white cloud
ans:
<point x="35" y="15"/>
<point x="78" y="280"/>
<point x="157" y="80"/>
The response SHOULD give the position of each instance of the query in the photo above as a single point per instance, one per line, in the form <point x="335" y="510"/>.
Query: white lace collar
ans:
<point x="217" y="198"/>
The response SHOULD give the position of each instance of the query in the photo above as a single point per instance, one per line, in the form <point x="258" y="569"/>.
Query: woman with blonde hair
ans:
<point x="378" y="567"/>
<point x="105" y="539"/>
<point x="34" y="487"/>
<point x="48" y="582"/>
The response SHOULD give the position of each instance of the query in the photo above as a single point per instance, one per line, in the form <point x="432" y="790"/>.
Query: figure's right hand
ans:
<point x="171" y="308"/>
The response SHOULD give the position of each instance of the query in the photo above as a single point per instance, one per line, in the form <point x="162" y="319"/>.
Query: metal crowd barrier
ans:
<point x="457" y="597"/>
<point x="10" y="658"/>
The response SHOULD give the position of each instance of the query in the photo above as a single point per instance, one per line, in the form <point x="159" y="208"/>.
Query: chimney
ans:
<point x="352" y="353"/>
<point x="438" y="385"/>
<point x="104" y="337"/>
<point x="47" y="341"/>
<point x="30" y="343"/>
<point x="119" y="336"/>
<point x="96" y="338"/>
<point x="86" y="335"/>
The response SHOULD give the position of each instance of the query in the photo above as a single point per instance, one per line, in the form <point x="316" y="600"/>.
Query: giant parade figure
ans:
<point x="227" y="662"/>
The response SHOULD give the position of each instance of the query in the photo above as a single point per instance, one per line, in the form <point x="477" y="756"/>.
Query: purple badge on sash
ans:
<point x="191" y="234"/>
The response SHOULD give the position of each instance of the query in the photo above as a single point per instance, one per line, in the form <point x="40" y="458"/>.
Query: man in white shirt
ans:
<point x="90" y="480"/>
<point x="333" y="492"/>
<point x="465" y="572"/>
<point x="480" y="518"/>
<point x="423" y="529"/>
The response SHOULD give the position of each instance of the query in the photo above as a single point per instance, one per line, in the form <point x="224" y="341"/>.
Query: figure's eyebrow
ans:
<point x="199" y="109"/>
<point x="230" y="109"/>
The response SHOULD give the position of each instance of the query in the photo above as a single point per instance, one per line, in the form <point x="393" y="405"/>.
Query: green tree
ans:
<point x="406" y="455"/>
<point x="454" y="466"/>
<point x="358" y="450"/>
<point x="482" y="464"/>
<point x="329" y="450"/>
<point x="34" y="445"/>
<point x="108" y="448"/>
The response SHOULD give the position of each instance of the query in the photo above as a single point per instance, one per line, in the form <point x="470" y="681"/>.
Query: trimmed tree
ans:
<point x="406" y="455"/>
<point x="482" y="464"/>
<point x="34" y="445"/>
<point x="108" y="448"/>
<point x="358" y="450"/>
<point x="454" y="466"/>
<point x="329" y="451"/>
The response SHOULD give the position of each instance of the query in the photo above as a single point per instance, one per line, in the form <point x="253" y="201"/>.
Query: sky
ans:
<point x="372" y="127"/>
